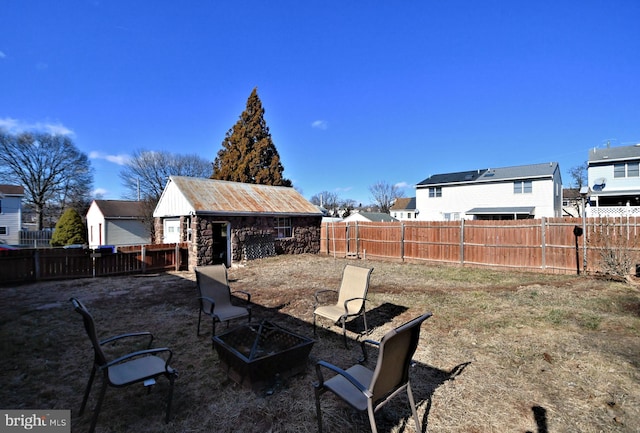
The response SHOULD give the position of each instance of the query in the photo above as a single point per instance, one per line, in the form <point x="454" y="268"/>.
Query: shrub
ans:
<point x="69" y="230"/>
<point x="618" y="247"/>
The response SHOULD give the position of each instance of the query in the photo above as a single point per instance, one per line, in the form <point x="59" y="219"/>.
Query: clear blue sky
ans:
<point x="355" y="92"/>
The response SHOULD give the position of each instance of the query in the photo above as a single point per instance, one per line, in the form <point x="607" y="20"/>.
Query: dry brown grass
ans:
<point x="515" y="352"/>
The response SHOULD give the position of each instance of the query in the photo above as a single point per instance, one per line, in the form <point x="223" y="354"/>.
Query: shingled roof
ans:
<point x="121" y="208"/>
<point x="492" y="175"/>
<point x="14" y="190"/>
<point x="609" y="154"/>
<point x="404" y="203"/>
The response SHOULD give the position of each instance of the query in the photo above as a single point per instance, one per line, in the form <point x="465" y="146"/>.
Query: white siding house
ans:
<point x="614" y="181"/>
<point x="404" y="209"/>
<point x="117" y="223"/>
<point x="10" y="213"/>
<point x="528" y="191"/>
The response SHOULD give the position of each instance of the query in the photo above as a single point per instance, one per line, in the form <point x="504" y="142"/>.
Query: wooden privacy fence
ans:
<point x="27" y="265"/>
<point x="547" y="244"/>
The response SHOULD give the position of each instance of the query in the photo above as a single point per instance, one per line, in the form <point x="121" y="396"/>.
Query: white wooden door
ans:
<point x="171" y="231"/>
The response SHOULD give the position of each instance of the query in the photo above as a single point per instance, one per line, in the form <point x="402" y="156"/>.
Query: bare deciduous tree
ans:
<point x="54" y="173"/>
<point x="384" y="194"/>
<point x="579" y="175"/>
<point x="326" y="199"/>
<point x="146" y="173"/>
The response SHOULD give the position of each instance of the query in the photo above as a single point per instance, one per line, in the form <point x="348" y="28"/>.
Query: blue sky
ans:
<point x="355" y="92"/>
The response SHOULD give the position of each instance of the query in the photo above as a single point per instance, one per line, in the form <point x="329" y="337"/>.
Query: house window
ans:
<point x="435" y="192"/>
<point x="0" y="206"/>
<point x="4" y="231"/>
<point x="522" y="187"/>
<point x="631" y="169"/>
<point x="282" y="227"/>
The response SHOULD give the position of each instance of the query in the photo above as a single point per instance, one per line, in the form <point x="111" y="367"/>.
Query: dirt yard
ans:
<point x="503" y="352"/>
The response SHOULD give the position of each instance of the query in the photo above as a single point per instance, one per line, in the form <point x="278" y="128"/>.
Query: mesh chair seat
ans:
<point x="352" y="297"/>
<point x="131" y="368"/>
<point x="369" y="390"/>
<point x="139" y="369"/>
<point x="215" y="297"/>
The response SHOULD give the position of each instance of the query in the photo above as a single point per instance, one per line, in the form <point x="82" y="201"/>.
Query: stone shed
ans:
<point x="228" y="222"/>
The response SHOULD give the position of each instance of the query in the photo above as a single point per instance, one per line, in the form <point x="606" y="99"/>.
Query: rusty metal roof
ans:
<point x="209" y="196"/>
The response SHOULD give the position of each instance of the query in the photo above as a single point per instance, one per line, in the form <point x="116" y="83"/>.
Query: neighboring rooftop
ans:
<point x="404" y="203"/>
<point x="619" y="153"/>
<point x="13" y="190"/>
<point x="378" y="217"/>
<point x="121" y="208"/>
<point x="494" y="174"/>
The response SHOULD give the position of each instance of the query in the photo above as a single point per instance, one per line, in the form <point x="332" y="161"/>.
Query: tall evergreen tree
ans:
<point x="248" y="154"/>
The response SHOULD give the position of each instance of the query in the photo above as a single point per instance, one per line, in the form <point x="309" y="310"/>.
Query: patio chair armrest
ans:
<point x="128" y="335"/>
<point x="247" y="294"/>
<point x="342" y="373"/>
<point x="346" y="303"/>
<point x="363" y="343"/>
<point x="142" y="353"/>
<point x="320" y="292"/>
<point x="209" y="300"/>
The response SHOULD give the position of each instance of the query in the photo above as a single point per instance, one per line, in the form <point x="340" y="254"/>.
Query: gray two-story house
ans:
<point x="614" y="181"/>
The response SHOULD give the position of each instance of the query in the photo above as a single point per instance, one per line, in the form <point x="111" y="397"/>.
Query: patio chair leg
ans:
<point x="344" y="331"/>
<point x="88" y="389"/>
<point x="318" y="391"/>
<point x="413" y="408"/>
<point x="199" y="318"/>
<point x="170" y="397"/>
<point x="366" y="328"/>
<point x="372" y="418"/>
<point x="315" y="332"/>
<point x="96" y="411"/>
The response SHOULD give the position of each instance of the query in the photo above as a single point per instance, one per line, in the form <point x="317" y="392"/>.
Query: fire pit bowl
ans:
<point x="254" y="354"/>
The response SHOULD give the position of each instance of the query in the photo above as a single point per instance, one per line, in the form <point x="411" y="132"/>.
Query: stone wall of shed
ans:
<point x="249" y="230"/>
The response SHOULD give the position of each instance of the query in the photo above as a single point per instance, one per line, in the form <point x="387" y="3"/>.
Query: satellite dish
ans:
<point x="599" y="184"/>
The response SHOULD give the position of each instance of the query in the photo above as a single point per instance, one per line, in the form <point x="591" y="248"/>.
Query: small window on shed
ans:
<point x="4" y="231"/>
<point x="282" y="227"/>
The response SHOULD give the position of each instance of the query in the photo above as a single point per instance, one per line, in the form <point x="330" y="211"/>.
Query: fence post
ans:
<point x="462" y="241"/>
<point x="36" y="263"/>
<point x="177" y="257"/>
<point x="543" y="224"/>
<point x="143" y="254"/>
<point x="402" y="241"/>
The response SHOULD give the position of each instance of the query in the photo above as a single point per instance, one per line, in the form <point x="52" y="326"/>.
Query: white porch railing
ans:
<point x="613" y="211"/>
